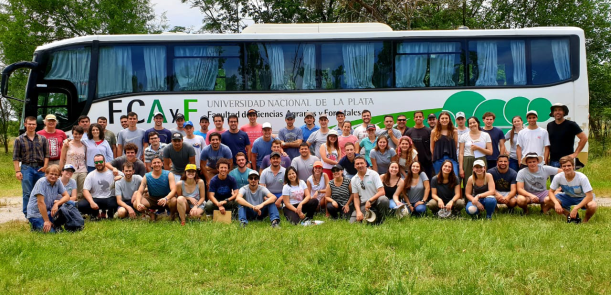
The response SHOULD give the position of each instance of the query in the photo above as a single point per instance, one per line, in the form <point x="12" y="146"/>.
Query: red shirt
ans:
<point x="56" y="141"/>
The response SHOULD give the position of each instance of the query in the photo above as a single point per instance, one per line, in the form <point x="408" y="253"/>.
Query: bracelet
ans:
<point x="17" y="171"/>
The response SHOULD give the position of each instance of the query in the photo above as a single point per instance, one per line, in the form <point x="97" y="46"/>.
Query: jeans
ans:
<point x="514" y="164"/>
<point x="245" y="213"/>
<point x="30" y="177"/>
<point x="437" y="165"/>
<point x="38" y="223"/>
<point x="489" y="205"/>
<point x="418" y="210"/>
<point x="109" y="204"/>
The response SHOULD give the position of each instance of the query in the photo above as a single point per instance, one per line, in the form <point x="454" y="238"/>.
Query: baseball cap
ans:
<point x="190" y="167"/>
<point x="310" y="114"/>
<point x="69" y="167"/>
<point x="337" y="167"/>
<point x="323" y="115"/>
<point x="180" y="116"/>
<point x="479" y="163"/>
<point x="460" y="115"/>
<point x="332" y="132"/>
<point x="188" y="123"/>
<point x="317" y="164"/>
<point x="339" y="112"/>
<point x="266" y="125"/>
<point x="289" y="115"/>
<point x="50" y="117"/>
<point x="176" y="135"/>
<point x="273" y="154"/>
<point x="158" y="114"/>
<point x="432" y="116"/>
<point x="253" y="172"/>
<point x="371" y="127"/>
<point x="533" y="112"/>
<point x="204" y="117"/>
<point x="251" y="111"/>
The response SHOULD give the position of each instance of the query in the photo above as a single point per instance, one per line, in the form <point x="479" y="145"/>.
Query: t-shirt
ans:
<point x="241" y="179"/>
<point x="165" y="135"/>
<point x="180" y="158"/>
<point x="222" y="188"/>
<point x="212" y="156"/>
<point x="416" y="193"/>
<point x="236" y="142"/>
<point x="150" y="153"/>
<point x="349" y="165"/>
<point x="262" y="148"/>
<point x="367" y="146"/>
<point x="254" y="198"/>
<point x="139" y="167"/>
<point x="382" y="159"/>
<point x="253" y="132"/>
<point x="50" y="194"/>
<point x="372" y="183"/>
<point x="126" y="136"/>
<point x="503" y="181"/>
<point x="533" y="141"/>
<point x="391" y="143"/>
<point x="296" y="193"/>
<point x="444" y="191"/>
<point x="576" y="188"/>
<point x="342" y="140"/>
<point x="200" y="133"/>
<point x="361" y="131"/>
<point x="513" y="145"/>
<point x="292" y="135"/>
<point x="273" y="182"/>
<point x="496" y="135"/>
<point x="56" y="141"/>
<point x="126" y="189"/>
<point x="100" y="184"/>
<point x="110" y="137"/>
<point x="536" y="182"/>
<point x="285" y="162"/>
<point x="304" y="166"/>
<point x="212" y="131"/>
<point x="307" y="132"/>
<point x="198" y="143"/>
<point x="421" y="137"/>
<point x="562" y="138"/>
<point x="482" y="141"/>
<point x="316" y="139"/>
<point x="70" y="186"/>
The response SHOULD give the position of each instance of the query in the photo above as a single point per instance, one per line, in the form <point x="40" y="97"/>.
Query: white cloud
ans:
<point x="178" y="13"/>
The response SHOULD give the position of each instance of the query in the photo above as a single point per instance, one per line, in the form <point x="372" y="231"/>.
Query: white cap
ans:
<point x="460" y="115"/>
<point x="479" y="163"/>
<point x="533" y="112"/>
<point x="267" y="125"/>
<point x="332" y="132"/>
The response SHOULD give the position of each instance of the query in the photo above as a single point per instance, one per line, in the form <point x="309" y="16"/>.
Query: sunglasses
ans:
<point x="98" y="162"/>
<point x="401" y="120"/>
<point x="362" y="185"/>
<point x="253" y="178"/>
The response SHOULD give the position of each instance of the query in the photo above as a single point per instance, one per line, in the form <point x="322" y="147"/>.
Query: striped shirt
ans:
<point x="340" y="194"/>
<point x="31" y="151"/>
<point x="150" y="153"/>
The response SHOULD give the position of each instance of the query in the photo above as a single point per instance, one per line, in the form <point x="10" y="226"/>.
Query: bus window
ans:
<point x="428" y="64"/>
<point x="281" y="66"/>
<point x="56" y="104"/>
<point x="359" y="63"/>
<point x="497" y="63"/>
<point x="71" y="65"/>
<point x="207" y="68"/>
<point x="551" y="61"/>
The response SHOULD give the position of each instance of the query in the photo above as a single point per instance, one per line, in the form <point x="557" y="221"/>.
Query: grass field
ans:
<point x="511" y="254"/>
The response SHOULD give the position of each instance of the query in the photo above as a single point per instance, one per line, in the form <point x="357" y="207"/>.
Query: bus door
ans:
<point x="57" y="101"/>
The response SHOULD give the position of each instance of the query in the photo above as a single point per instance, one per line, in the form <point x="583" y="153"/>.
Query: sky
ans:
<point x="178" y="13"/>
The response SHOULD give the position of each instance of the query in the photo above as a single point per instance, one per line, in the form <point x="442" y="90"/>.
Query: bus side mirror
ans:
<point x="6" y="74"/>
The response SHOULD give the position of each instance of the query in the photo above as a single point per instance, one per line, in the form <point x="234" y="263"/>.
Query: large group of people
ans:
<point x="361" y="172"/>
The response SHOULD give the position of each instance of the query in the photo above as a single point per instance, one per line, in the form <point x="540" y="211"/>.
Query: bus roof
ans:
<point x="327" y="33"/>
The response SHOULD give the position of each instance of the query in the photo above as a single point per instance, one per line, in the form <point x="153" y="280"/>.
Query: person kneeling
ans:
<point x="297" y="202"/>
<point x="42" y="208"/>
<point x="368" y="193"/>
<point x="338" y="194"/>
<point x="480" y="191"/>
<point x="125" y="190"/>
<point x="445" y="190"/>
<point x="161" y="190"/>
<point x="190" y="190"/>
<point x="576" y="190"/>
<point x="256" y="202"/>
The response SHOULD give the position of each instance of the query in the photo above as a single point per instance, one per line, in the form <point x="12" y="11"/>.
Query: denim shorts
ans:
<point x="567" y="201"/>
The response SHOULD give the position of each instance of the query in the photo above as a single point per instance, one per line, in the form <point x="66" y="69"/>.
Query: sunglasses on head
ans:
<point x="98" y="162"/>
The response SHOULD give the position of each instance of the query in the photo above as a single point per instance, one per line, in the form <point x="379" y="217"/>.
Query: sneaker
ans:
<point x="182" y="223"/>
<point x="243" y="224"/>
<point x="103" y="215"/>
<point x="275" y="224"/>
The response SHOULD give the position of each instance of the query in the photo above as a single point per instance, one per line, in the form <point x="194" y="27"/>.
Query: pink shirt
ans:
<point x="212" y="131"/>
<point x="253" y="132"/>
<point x="342" y="140"/>
<point x="56" y="141"/>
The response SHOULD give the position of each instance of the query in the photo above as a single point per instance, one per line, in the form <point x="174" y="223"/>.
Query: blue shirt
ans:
<point x="496" y="135"/>
<point x="236" y="142"/>
<point x="210" y="155"/>
<point x="262" y="148"/>
<point x="160" y="187"/>
<point x="165" y="135"/>
<point x="50" y="193"/>
<point x="287" y="135"/>
<point x="222" y="189"/>
<point x="349" y="166"/>
<point x="241" y="179"/>
<point x="198" y="132"/>
<point x="307" y="132"/>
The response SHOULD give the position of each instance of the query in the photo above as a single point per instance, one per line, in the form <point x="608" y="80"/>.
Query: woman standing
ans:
<point x="512" y="137"/>
<point x="296" y="196"/>
<point x="417" y="188"/>
<point x="475" y="145"/>
<point x="338" y="194"/>
<point x="381" y="155"/>
<point x="480" y="191"/>
<point x="317" y="185"/>
<point x="444" y="139"/>
<point x="445" y="190"/>
<point x="96" y="145"/>
<point x="190" y="190"/>
<point x="368" y="143"/>
<point x="74" y="153"/>
<point x="346" y="137"/>
<point x="406" y="155"/>
<point x="330" y="153"/>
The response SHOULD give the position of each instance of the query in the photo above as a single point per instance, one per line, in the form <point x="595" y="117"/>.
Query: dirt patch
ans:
<point x="10" y="209"/>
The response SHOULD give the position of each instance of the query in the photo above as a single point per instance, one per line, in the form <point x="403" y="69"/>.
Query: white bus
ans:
<point x="318" y="68"/>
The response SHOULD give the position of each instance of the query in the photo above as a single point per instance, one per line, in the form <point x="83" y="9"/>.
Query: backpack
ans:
<point x="69" y="218"/>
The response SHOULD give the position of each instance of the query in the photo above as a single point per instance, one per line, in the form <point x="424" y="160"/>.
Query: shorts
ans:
<point x="504" y="194"/>
<point x="541" y="196"/>
<point x="129" y="203"/>
<point x="153" y="202"/>
<point x="567" y="201"/>
<point x="200" y="206"/>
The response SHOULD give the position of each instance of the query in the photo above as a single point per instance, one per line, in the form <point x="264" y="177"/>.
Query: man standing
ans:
<point x="165" y="136"/>
<point x="290" y="136"/>
<point x="421" y="137"/>
<point x="572" y="188"/>
<point x="305" y="162"/>
<point x="532" y="182"/>
<point x="240" y="173"/>
<point x="125" y="190"/>
<point x="180" y="124"/>
<point x="84" y="122"/>
<point x="361" y="131"/>
<point x="367" y="192"/>
<point x="161" y="190"/>
<point x="218" y="126"/>
<point x="154" y="150"/>
<point x="32" y="150"/>
<point x="273" y="176"/>
<point x="262" y="146"/>
<point x="211" y="154"/>
<point x="562" y="135"/>
<point x="318" y="137"/>
<point x="132" y="134"/>
<point x="197" y="142"/>
<point x="108" y="135"/>
<point x="55" y="138"/>
<point x="235" y="139"/>
<point x="341" y="118"/>
<point x="97" y="190"/>
<point x="223" y="190"/>
<point x="497" y="136"/>
<point x="178" y="155"/>
<point x="504" y="182"/>
<point x="253" y="129"/>
<point x="203" y="124"/>
<point x="256" y="202"/>
<point x="347" y="161"/>
<point x="432" y="120"/>
<point x="532" y="139"/>
<point x="131" y="150"/>
<point x="285" y="161"/>
<point x="401" y="124"/>
<point x="309" y="127"/>
<point x="393" y="135"/>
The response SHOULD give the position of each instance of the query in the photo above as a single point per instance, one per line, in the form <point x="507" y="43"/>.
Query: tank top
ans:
<point x="160" y="187"/>
<point x="340" y="194"/>
<point x="333" y="155"/>
<point x="444" y="146"/>
<point x="76" y="157"/>
<point x="321" y="188"/>
<point x="389" y="191"/>
<point x="194" y="194"/>
<point x="479" y="189"/>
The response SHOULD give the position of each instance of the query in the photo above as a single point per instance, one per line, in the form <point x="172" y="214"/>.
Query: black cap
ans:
<point x="180" y="116"/>
<point x="339" y="112"/>
<point x="337" y="167"/>
<point x="176" y="135"/>
<point x="432" y="116"/>
<point x="289" y="115"/>
<point x="251" y="111"/>
<point x="203" y="117"/>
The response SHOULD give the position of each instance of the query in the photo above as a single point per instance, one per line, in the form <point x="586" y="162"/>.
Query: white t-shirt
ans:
<point x="371" y="183"/>
<point x="576" y="188"/>
<point x="468" y="141"/>
<point x="296" y="193"/>
<point x="361" y="132"/>
<point x="316" y="139"/>
<point x="533" y="141"/>
<point x="536" y="182"/>
<point x="198" y="143"/>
